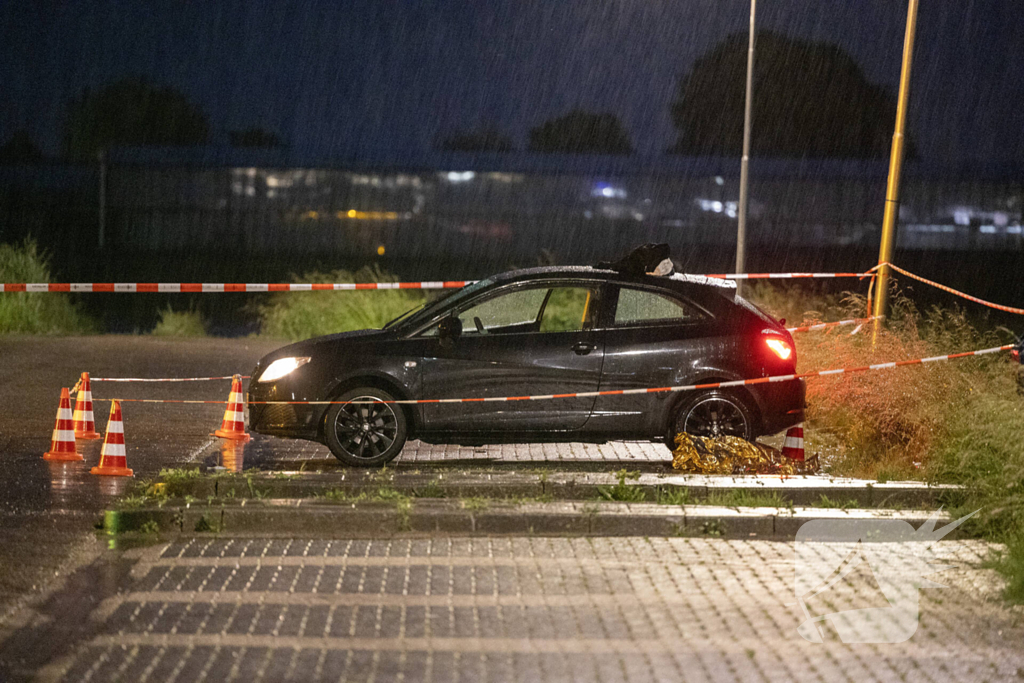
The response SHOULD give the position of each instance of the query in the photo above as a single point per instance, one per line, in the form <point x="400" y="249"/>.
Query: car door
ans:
<point x="653" y="338"/>
<point x="524" y="339"/>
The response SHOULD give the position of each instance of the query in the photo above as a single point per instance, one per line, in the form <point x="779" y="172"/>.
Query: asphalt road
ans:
<point x="47" y="509"/>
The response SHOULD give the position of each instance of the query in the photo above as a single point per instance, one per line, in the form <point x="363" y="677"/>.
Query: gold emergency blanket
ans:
<point x="730" y="455"/>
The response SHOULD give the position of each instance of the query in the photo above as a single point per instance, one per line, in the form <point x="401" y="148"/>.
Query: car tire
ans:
<point x="365" y="434"/>
<point x="713" y="413"/>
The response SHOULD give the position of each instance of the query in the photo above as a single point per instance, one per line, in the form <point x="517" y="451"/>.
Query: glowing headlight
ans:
<point x="281" y="367"/>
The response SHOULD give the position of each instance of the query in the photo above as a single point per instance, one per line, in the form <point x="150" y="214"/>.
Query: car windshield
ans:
<point x="429" y="310"/>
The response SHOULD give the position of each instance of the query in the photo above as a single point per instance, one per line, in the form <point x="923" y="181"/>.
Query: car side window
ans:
<point x="640" y="306"/>
<point x="512" y="310"/>
<point x="568" y="309"/>
<point x="542" y="309"/>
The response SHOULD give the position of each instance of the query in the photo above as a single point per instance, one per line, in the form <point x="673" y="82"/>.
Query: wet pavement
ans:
<point x="499" y="609"/>
<point x="442" y="609"/>
<point x="47" y="510"/>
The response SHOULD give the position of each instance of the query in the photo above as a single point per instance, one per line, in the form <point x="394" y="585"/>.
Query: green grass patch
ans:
<point x="826" y="502"/>
<point x="173" y="323"/>
<point x="312" y="314"/>
<point x="736" y="498"/>
<point x="33" y="312"/>
<point x="623" y="492"/>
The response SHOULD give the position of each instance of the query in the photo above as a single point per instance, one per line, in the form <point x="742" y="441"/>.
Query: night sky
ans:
<point x="352" y="77"/>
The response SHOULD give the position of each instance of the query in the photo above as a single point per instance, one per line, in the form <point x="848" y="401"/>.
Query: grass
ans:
<point x="312" y="314"/>
<point x="736" y="498"/>
<point x="32" y="312"/>
<point x="173" y="323"/>
<point x="957" y="422"/>
<point x="621" y="491"/>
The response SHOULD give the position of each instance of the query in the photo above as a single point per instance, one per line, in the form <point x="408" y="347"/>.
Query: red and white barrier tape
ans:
<point x="785" y="276"/>
<point x="840" y="323"/>
<point x="616" y="392"/>
<point x="998" y="307"/>
<point x="162" y="379"/>
<point x="219" y="287"/>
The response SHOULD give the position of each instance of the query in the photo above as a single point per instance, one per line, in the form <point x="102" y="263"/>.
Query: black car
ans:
<point x="554" y="330"/>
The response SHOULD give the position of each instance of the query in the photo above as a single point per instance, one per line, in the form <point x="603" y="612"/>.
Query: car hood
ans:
<point x="308" y="346"/>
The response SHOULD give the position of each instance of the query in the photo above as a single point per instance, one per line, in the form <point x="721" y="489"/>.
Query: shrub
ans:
<point x="30" y="312"/>
<point x="180" y="324"/>
<point x="302" y="315"/>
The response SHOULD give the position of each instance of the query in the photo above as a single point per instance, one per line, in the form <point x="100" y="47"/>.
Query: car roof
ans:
<point x="678" y="281"/>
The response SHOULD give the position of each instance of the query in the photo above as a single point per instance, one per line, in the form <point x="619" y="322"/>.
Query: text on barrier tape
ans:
<point x="614" y="392"/>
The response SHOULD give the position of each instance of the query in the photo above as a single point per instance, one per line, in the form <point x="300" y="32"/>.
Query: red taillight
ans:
<point x="1015" y="353"/>
<point x="781" y="348"/>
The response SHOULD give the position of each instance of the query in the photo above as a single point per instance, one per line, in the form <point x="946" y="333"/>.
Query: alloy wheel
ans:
<point x="366" y="430"/>
<point x="715" y="416"/>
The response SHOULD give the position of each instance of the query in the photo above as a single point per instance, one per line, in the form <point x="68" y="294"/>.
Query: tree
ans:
<point x="580" y="132"/>
<point x="485" y="140"/>
<point x="254" y="137"/>
<point x="132" y="112"/>
<point x="810" y="99"/>
<point x="20" y="149"/>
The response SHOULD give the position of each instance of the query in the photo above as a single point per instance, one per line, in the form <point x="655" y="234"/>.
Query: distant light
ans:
<point x="962" y="217"/>
<point x="460" y="176"/>
<point x="311" y="215"/>
<point x="606" y="190"/>
<point x="987" y="229"/>
<point x="1013" y="230"/>
<point x="716" y="207"/>
<point x="719" y="180"/>
<point x="368" y="215"/>
<point x="380" y="250"/>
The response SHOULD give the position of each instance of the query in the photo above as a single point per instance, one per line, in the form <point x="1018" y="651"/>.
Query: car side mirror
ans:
<point x="449" y="329"/>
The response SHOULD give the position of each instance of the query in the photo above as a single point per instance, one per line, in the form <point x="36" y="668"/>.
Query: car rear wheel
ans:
<point x="368" y="430"/>
<point x="713" y="413"/>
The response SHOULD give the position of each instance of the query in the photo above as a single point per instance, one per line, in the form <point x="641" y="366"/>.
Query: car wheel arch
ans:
<point x="378" y="381"/>
<point x="683" y="396"/>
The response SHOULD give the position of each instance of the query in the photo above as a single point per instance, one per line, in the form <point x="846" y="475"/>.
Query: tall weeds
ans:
<point x="302" y="315"/>
<point x="32" y="312"/>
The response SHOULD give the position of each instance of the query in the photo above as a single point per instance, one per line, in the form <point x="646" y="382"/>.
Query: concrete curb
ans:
<point x="432" y="516"/>
<point x="568" y="486"/>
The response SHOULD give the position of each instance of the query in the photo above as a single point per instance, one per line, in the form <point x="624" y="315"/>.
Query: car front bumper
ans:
<point x="292" y="420"/>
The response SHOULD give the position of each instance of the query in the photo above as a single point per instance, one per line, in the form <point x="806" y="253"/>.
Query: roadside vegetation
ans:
<point x="957" y="422"/>
<point x="34" y="313"/>
<point x="189" y="323"/>
<point x="300" y="316"/>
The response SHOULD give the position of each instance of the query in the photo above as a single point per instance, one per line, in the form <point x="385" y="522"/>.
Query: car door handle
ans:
<point x="582" y="348"/>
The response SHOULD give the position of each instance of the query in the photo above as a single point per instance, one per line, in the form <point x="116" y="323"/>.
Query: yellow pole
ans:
<point x="892" y="190"/>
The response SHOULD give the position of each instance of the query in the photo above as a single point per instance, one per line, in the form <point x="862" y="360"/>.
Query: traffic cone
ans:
<point x="233" y="424"/>
<point x="62" y="445"/>
<point x="85" y="423"/>
<point x="793" y="447"/>
<point x="113" y="462"/>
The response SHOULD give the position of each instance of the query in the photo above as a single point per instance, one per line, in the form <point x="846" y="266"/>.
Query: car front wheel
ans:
<point x="367" y="429"/>
<point x="713" y="413"/>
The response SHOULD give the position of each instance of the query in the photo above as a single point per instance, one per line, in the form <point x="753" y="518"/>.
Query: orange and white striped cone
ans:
<point x="85" y="423"/>
<point x="113" y="461"/>
<point x="62" y="444"/>
<point x="233" y="424"/>
<point x="793" y="447"/>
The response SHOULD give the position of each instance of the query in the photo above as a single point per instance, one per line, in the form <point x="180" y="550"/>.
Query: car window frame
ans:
<point x="612" y="304"/>
<point x="597" y="307"/>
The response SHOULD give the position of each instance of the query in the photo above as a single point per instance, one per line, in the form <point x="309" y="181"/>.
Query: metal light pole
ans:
<point x="741" y="213"/>
<point x="892" y="190"/>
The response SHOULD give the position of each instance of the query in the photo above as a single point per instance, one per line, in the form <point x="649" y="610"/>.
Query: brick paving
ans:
<point x="517" y="609"/>
<point x="272" y="452"/>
